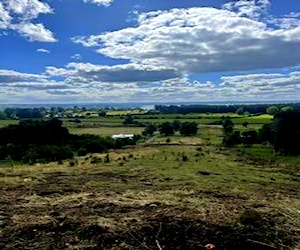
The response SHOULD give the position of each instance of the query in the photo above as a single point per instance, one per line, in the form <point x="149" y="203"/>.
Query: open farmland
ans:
<point x="182" y="194"/>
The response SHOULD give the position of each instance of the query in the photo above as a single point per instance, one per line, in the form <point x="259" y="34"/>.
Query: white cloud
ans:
<point x="9" y="76"/>
<point x="105" y="3"/>
<point x="34" y="32"/>
<point x="18" y="15"/>
<point x="253" y="9"/>
<point x="43" y="51"/>
<point x="5" y="18"/>
<point x="20" y="86"/>
<point x="27" y="9"/>
<point x="86" y="72"/>
<point x="286" y="22"/>
<point x="62" y="72"/>
<point x="274" y="86"/>
<point x="76" y="57"/>
<point x="198" y="40"/>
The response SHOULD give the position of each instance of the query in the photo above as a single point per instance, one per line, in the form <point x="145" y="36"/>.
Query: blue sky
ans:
<point x="68" y="51"/>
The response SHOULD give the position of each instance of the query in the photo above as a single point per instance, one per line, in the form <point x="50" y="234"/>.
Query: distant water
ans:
<point x="132" y="105"/>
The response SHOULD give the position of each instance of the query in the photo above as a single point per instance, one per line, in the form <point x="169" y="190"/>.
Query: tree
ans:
<point x="283" y="133"/>
<point x="272" y="110"/>
<point x="245" y="124"/>
<point x="128" y="120"/>
<point x="286" y="109"/>
<point x="249" y="137"/>
<point x="227" y="125"/>
<point x="240" y="111"/>
<point x="166" y="128"/>
<point x="188" y="128"/>
<point x="176" y="125"/>
<point x="2" y="115"/>
<point x="102" y="113"/>
<point x="231" y="138"/>
<point x="265" y="134"/>
<point x="286" y="133"/>
<point x="149" y="129"/>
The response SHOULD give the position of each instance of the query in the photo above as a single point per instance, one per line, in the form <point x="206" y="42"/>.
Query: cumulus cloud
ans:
<point x="34" y="32"/>
<point x="198" y="40"/>
<point x="9" y="76"/>
<point x="249" y="8"/>
<point x="18" y="15"/>
<point x="105" y="3"/>
<point x="43" y="51"/>
<point x="5" y="18"/>
<point x="263" y="86"/>
<point x="86" y="72"/>
<point x="27" y="9"/>
<point x="18" y="86"/>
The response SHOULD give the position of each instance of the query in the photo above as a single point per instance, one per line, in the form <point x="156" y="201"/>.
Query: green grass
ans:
<point x="194" y="178"/>
<point x="261" y="119"/>
<point x="107" y="131"/>
<point x="4" y="123"/>
<point x="126" y="112"/>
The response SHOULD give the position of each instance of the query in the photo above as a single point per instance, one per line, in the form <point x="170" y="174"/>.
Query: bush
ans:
<point x="231" y="139"/>
<point x="188" y="128"/>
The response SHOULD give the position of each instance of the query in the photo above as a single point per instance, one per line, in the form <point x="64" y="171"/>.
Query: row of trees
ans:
<point x="42" y="141"/>
<point x="169" y="128"/>
<point x="233" y="137"/>
<point x="13" y="113"/>
<point x="283" y="133"/>
<point x="236" y="108"/>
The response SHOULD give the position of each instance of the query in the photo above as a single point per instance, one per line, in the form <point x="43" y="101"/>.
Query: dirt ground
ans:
<point x="57" y="209"/>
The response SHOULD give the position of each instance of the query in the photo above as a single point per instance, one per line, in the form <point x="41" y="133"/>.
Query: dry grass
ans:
<point x="150" y="193"/>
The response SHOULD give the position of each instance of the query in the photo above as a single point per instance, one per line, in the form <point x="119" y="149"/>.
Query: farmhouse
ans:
<point x="122" y="136"/>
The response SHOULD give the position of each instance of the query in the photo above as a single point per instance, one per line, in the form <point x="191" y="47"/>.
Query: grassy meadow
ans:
<point x="180" y="194"/>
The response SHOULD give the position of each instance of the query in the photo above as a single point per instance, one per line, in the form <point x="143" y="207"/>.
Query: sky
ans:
<point x="110" y="51"/>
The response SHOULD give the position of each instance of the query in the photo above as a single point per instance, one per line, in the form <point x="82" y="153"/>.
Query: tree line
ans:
<point x="33" y="141"/>
<point x="169" y="128"/>
<point x="236" y="108"/>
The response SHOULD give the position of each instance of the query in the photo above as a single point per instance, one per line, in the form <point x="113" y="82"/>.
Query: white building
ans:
<point x="122" y="136"/>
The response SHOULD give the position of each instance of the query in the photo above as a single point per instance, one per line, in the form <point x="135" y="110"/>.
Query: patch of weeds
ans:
<point x="96" y="160"/>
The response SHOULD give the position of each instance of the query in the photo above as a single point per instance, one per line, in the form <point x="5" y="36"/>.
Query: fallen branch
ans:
<point x="157" y="243"/>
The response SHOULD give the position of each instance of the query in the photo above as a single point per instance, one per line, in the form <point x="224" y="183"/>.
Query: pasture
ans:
<point x="180" y="194"/>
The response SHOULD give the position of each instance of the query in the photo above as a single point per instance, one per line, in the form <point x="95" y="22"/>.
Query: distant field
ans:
<point x="261" y="119"/>
<point x="107" y="131"/>
<point x="126" y="112"/>
<point x="4" y="123"/>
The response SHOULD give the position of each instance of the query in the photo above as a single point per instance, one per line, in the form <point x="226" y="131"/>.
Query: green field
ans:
<point x="4" y="123"/>
<point x="107" y="130"/>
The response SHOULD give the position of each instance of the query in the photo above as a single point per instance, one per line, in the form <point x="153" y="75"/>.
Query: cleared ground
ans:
<point x="178" y="195"/>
